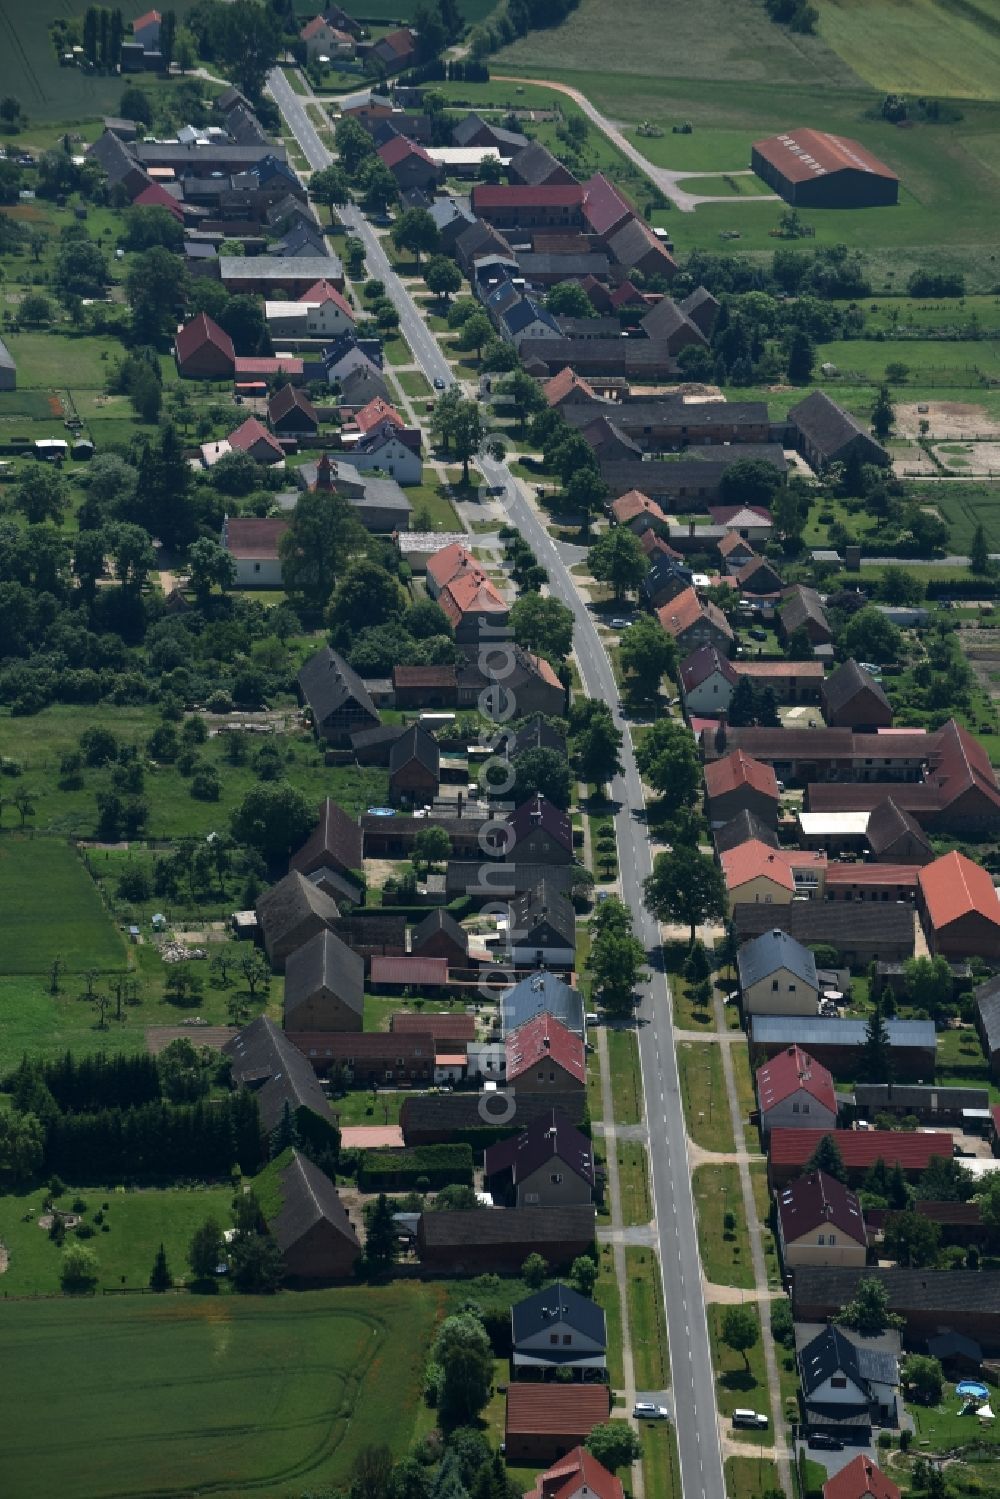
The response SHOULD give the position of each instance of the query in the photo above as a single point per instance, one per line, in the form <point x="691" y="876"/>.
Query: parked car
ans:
<point x="820" y="1442"/>
<point x="753" y="1419"/>
<point x="619" y="623"/>
<point x="438" y="383"/>
<point x="645" y="1410"/>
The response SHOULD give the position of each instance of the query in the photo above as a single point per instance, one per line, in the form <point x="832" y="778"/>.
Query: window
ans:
<point x="791" y="988"/>
<point x="805" y="1108"/>
<point x="774" y="986"/>
<point x="553" y="1337"/>
<point x="795" y="1108"/>
<point x="567" y="1340"/>
<point x="833" y="1238"/>
<point x="838" y="1382"/>
<point x="541" y="1077"/>
<point x="388" y="1074"/>
<point x="256" y="567"/>
<point x="399" y="1061"/>
<point x="821" y="1239"/>
<point x="556" y="1178"/>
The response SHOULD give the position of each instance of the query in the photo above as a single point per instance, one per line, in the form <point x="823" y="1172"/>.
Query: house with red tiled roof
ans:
<point x="791" y="1149"/>
<point x="203" y="350"/>
<point x="511" y="206"/>
<point x="410" y="164"/>
<point x="545" y="1420"/>
<point x="756" y="874"/>
<point x="253" y="438"/>
<point x="146" y="30"/>
<point x="578" y="1475"/>
<point x="451" y="562"/>
<point x="544" y="1056"/>
<point x="738" y="783"/>
<point x="254" y="545"/>
<point x="396" y="50"/>
<point x="320" y="312"/>
<point x="637" y="511"/>
<point x="324" y="39"/>
<point x="735" y="551"/>
<point x="605" y="209"/>
<point x="707" y="679"/>
<point x="693" y="622"/>
<point x="960" y="910"/>
<point x="156" y="196"/>
<point x="471" y="603"/>
<point x="374" y="414"/>
<point x="793" y="1090"/>
<point x="860" y="1479"/>
<point x="567" y="387"/>
<point x="654" y="546"/>
<point x="821" y="1222"/>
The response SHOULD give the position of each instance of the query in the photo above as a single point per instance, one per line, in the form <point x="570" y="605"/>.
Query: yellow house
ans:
<point x="820" y="1222"/>
<point x="756" y="874"/>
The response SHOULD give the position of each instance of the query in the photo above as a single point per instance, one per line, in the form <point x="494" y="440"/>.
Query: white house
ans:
<point x="253" y="545"/>
<point x="707" y="679"/>
<point x="384" y="449"/>
<point x="324" y="40"/>
<point x="836" y="1371"/>
<point x="319" y="319"/>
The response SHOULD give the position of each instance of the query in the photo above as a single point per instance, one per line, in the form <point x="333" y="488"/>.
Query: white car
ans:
<point x="645" y="1410"/>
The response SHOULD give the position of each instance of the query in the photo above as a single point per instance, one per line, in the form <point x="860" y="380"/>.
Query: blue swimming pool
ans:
<point x="972" y="1389"/>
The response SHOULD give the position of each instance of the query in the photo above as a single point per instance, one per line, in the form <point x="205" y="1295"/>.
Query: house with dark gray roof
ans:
<point x="539" y="832"/>
<point x="895" y="836"/>
<point x="414" y="767"/>
<point x="534" y="733"/>
<point x="987" y="998"/>
<point x="838" y="1372"/>
<point x="860" y="931"/>
<point x="493" y="879"/>
<point x="307" y="1220"/>
<point x="336" y="697"/>
<point x="745" y="827"/>
<point x="929" y="1301"/>
<point x="548" y="1163"/>
<point x="803" y="608"/>
<point x="853" y="699"/>
<point x="535" y="166"/>
<point x="541" y="994"/>
<point x="542" y="929"/>
<point x="266" y="1062"/>
<point x="478" y="1239"/>
<point x="557" y="1329"/>
<point x="825" y="433"/>
<point x="290" y="914"/>
<point x="474" y="130"/>
<point x="777" y="975"/>
<point x="436" y="1118"/>
<point x="440" y="936"/>
<point x="334" y="843"/>
<point x="324" y="986"/>
<point x="119" y="164"/>
<point x="452" y="216"/>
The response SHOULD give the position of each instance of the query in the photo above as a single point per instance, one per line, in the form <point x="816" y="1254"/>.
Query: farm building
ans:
<point x="308" y="1221"/>
<point x="814" y="169"/>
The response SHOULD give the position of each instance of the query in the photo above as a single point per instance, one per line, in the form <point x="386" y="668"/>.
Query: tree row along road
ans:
<point x="693" y="1389"/>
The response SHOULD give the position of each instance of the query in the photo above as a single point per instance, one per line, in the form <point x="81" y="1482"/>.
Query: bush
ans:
<point x="400" y="1170"/>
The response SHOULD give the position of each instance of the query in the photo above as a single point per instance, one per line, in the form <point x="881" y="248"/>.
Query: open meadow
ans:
<point x="214" y="1394"/>
<point x="50" y="908"/>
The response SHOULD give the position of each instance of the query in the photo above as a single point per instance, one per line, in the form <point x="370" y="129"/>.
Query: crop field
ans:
<point x="216" y="1394"/>
<point x="918" y="47"/>
<point x="48" y="908"/>
<point x="960" y="362"/>
<point x="30" y="69"/>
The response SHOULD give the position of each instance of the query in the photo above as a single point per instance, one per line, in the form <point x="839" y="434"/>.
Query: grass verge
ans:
<point x="633" y="1183"/>
<point x="646" y="1320"/>
<point x="703" y="1090"/>
<point x="626" y="1075"/>
<point x="725" y="1256"/>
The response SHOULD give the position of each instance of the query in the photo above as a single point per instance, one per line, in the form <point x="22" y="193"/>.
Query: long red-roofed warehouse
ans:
<point x="814" y="169"/>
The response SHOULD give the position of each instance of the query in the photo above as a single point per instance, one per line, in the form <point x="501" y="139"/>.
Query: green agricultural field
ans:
<point x="49" y="908"/>
<point x="47" y="361"/>
<point x="216" y="1394"/>
<point x="942" y="48"/>
<point x="29" y="67"/>
<point x="931" y="362"/>
<point x="138" y="1223"/>
<point x="966" y="506"/>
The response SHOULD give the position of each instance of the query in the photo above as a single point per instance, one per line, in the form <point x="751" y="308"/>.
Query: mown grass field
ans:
<point x="647" y="1321"/>
<point x="49" y="908"/>
<point x="703" y="1089"/>
<point x="138" y="1223"/>
<point x="933" y="47"/>
<point x="726" y="1260"/>
<point x="219" y="1394"/>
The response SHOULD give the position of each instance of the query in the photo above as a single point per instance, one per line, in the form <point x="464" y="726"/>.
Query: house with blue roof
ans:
<point x="558" y="1329"/>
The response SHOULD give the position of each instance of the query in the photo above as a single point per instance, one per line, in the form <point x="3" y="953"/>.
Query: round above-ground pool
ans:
<point x="972" y="1389"/>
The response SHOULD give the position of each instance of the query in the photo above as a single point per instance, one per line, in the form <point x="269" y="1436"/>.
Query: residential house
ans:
<point x="519" y="682"/>
<point x="118" y="163"/>
<point x="605" y="207"/>
<point x="538" y="995"/>
<point x="795" y="1092"/>
<point x="324" y="986"/>
<point x="424" y="686"/>
<point x="790" y="681"/>
<point x="735" y="551"/>
<point x="853" y="699"/>
<point x="534" y="733"/>
<point x="474" y="130"/>
<point x="694" y="622"/>
<point x="440" y="936"/>
<point x="860" y="1479"/>
<point x="544" y="1423"/>
<point x="895" y="837"/>
<point x="291" y="413"/>
<point x="473" y="607"/>
<point x="485" y="883"/>
<point x="758" y="578"/>
<point x="253" y="438"/>
<point x="792" y="1149"/>
<point x="542" y="931"/>
<point x="803" y="609"/>
<point x="579" y="1475"/>
<point x="839" y="1044"/>
<point x="452" y="216"/>
<point x="338" y="17"/>
<point x="389" y="450"/>
<point x="820" y="1222"/>
<point x="543" y="1056"/>
<point x="667" y="579"/>
<point x="757" y="875"/>
<point x="365" y="104"/>
<point x="472" y="1241"/>
<point x="639" y="513"/>
<point x="480" y="1118"/>
<point x="848" y="1382"/>
<point x="320" y="312"/>
<point x="987" y="999"/>
<point x="336" y="697"/>
<point x="300" y="240"/>
<point x="743" y="828"/>
<point x="334" y="845"/>
<point x="307" y="1220"/>
<point x="414" y="767"/>
<point x="777" y="975"/>
<point x="930" y="1302"/>
<point x="263" y="1059"/>
<point x="449" y="1030"/>
<point x="635" y="248"/>
<point x="255" y="547"/>
<point x="567" y="389"/>
<point x="515" y="206"/>
<point x="156" y="196"/>
<point x="824" y="433"/>
<point x="262" y="274"/>
<point x="396" y="50"/>
<point x="409" y="164"/>
<point x="379" y="503"/>
<point x="535" y="166"/>
<point x="538" y="832"/>
<point x="738" y="783"/>
<point x="323" y="39"/>
<point x="557" y="1333"/>
<point x="548" y="1164"/>
<point x="290" y="914"/>
<point x="146" y="30"/>
<point x="959" y="906"/>
<point x="371" y="1059"/>
<point x="451" y="562"/>
<point x="526" y="318"/>
<point x="203" y="351"/>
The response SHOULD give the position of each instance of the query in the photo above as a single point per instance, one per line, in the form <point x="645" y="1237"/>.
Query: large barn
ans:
<point x="813" y="169"/>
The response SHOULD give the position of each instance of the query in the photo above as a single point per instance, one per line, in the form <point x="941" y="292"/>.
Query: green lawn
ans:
<point x="60" y="360"/>
<point x="660" y="1463"/>
<point x="703" y="1089"/>
<point x="431" y="499"/>
<point x="726" y="1260"/>
<point x="414" y="383"/>
<point x="626" y="1075"/>
<point x="219" y="1394"/>
<point x="944" y="49"/>
<point x="49" y="908"/>
<point x="633" y="1183"/>
<point x="646" y="1320"/>
<point x="744" y="1093"/>
<point x="687" y="1015"/>
<point x="941" y="1429"/>
<point x="138" y="1222"/>
<point x="607" y="1293"/>
<point x="751" y="1477"/>
<point x="736" y="1385"/>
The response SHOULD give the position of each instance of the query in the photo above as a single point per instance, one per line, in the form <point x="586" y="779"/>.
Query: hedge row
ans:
<point x="400" y="1170"/>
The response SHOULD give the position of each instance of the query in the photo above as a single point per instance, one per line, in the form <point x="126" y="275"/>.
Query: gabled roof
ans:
<point x="603" y="205"/>
<point x="336" y="840"/>
<point x="290" y="901"/>
<point x="801" y="604"/>
<point x="375" y="413"/>
<point x="308" y="1197"/>
<point x="324" y="962"/>
<point x="156" y="196"/>
<point x="542" y="993"/>
<point x="549" y="1136"/>
<point x="632" y="503"/>
<point x="251" y="432"/>
<point x="422" y="973"/>
<point x="844" y="684"/>
<point x="470" y="593"/>
<point x="289" y="398"/>
<point x="535" y="732"/>
<point x="560" y="385"/>
<point x="539" y="812"/>
<point x="524" y="312"/>
<point x="253" y="538"/>
<point x="486" y="195"/>
<point x="577" y="1474"/>
<point x="860" y="1149"/>
<point x="742" y="828"/>
<point x="687" y="609"/>
<point x="401" y="148"/>
<point x="860" y="1479"/>
<point x="436" y="921"/>
<point x="953" y="887"/>
<point x="887" y="823"/>
<point x="791" y="1072"/>
<point x="555" y="1409"/>
<point x="480" y="1226"/>
<point x="632" y="241"/>
<point x="558" y="1303"/>
<point x="545" y="905"/>
<point x="758" y="570"/>
<point x="770" y="953"/>
<point x="322" y="291"/>
<point x="832" y="1353"/>
<point x="327" y="682"/>
<point x="202" y="330"/>
<point x="263" y="1058"/>
<point x="825" y="425"/>
<point x="804" y="154"/>
<point x="987" y="998"/>
<point x="534" y="164"/>
<point x="545" y="1040"/>
<point x="415" y="744"/>
<point x="737" y="770"/>
<point x="703" y="663"/>
<point x="751" y="861"/>
<point x="149" y="18"/>
<point x="817" y="1199"/>
<point x="441" y="1026"/>
<point x="734" y="542"/>
<point x="450" y="562"/>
